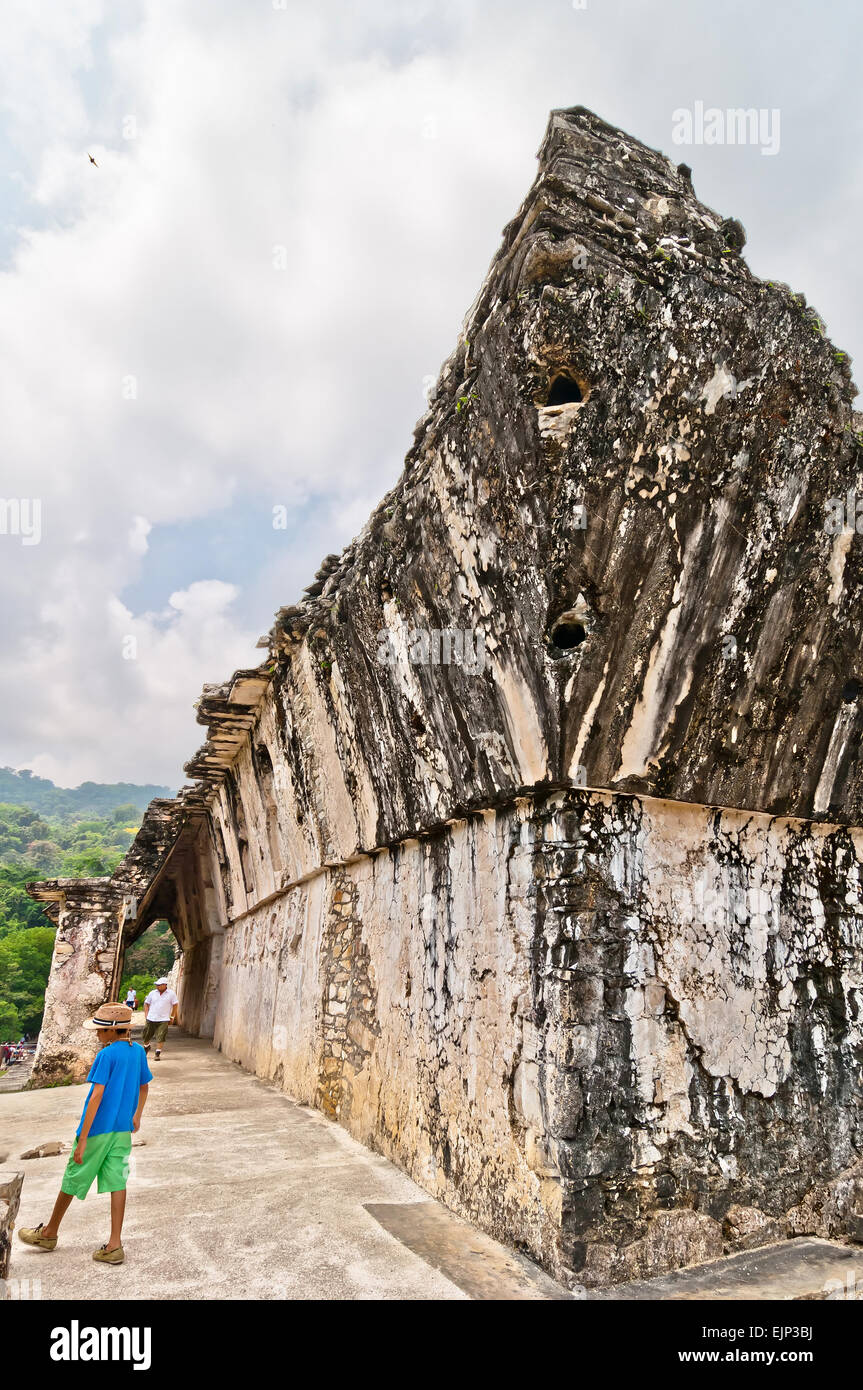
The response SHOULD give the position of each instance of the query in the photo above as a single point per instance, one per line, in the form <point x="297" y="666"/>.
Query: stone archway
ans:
<point x="164" y="876"/>
<point x="154" y="950"/>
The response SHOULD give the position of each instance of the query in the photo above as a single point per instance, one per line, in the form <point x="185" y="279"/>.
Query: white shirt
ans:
<point x="161" y="1005"/>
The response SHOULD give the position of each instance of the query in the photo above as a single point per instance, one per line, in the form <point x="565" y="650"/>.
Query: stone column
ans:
<point x="210" y="1003"/>
<point x="88" y="913"/>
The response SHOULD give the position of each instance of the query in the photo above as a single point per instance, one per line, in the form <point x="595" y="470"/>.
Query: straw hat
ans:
<point x="110" y="1016"/>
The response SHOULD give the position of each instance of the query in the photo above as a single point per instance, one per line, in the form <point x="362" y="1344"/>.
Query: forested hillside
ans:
<point x="71" y="843"/>
<point x="90" y="799"/>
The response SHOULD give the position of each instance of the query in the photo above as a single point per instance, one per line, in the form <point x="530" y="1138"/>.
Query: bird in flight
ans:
<point x="92" y="160"/>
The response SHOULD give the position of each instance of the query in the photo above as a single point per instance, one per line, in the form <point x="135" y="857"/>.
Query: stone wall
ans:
<point x="88" y="913"/>
<point x="10" y="1200"/>
<point x="621" y="1033"/>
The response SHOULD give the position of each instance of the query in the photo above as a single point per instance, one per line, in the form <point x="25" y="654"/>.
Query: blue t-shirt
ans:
<point x="122" y="1069"/>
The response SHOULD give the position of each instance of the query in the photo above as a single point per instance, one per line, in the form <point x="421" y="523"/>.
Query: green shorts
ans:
<point x="160" y="1030"/>
<point x="106" y="1158"/>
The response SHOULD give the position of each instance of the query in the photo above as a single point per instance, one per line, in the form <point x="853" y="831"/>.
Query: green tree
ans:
<point x="10" y="1024"/>
<point x="142" y="984"/>
<point x="59" y="836"/>
<point x="25" y="961"/>
<point x="152" y="954"/>
<point x="44" y="855"/>
<point x="17" y="909"/>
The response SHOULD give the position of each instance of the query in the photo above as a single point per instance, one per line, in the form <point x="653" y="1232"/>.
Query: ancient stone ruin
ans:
<point x="529" y="853"/>
<point x="10" y="1200"/>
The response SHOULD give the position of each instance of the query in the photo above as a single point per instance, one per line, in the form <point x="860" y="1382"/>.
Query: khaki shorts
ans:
<point x="160" y="1030"/>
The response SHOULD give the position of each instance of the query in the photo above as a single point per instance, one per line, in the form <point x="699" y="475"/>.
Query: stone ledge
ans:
<point x="793" y="1270"/>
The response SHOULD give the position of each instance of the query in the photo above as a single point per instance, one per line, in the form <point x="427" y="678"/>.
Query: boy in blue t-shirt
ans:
<point x="112" y="1112"/>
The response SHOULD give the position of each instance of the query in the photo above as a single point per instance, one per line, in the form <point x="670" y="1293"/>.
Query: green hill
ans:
<point x="73" y="843"/>
<point x="90" y="799"/>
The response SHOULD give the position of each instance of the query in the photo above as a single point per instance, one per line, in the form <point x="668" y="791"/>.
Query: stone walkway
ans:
<point x="15" y="1078"/>
<point x="240" y="1193"/>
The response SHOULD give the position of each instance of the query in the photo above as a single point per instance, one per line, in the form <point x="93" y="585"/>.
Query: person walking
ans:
<point x="160" y="1010"/>
<point x="131" y="999"/>
<point x="112" y="1112"/>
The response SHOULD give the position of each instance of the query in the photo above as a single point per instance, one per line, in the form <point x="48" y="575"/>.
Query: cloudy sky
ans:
<point x="292" y="207"/>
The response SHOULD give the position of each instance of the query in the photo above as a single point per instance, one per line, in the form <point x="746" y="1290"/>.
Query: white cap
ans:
<point x="163" y="980"/>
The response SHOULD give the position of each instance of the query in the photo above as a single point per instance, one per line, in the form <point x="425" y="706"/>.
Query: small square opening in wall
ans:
<point x="559" y="403"/>
<point x="565" y="390"/>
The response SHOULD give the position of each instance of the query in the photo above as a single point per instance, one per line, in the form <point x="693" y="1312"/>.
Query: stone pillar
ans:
<point x="88" y="915"/>
<point x="10" y="1199"/>
<point x="175" y="975"/>
<point x="210" y="1003"/>
<point x="198" y="973"/>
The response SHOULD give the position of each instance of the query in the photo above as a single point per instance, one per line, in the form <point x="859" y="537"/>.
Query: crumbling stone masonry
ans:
<point x="10" y="1200"/>
<point x="572" y="932"/>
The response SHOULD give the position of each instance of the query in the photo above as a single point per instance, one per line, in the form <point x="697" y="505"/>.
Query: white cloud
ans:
<point x="138" y="533"/>
<point x="157" y="367"/>
<point x="142" y="674"/>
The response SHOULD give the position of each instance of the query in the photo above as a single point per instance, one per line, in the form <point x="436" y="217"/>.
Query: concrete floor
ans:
<point x="240" y="1193"/>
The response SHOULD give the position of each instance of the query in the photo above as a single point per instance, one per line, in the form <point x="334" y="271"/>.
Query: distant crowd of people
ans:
<point x="11" y="1052"/>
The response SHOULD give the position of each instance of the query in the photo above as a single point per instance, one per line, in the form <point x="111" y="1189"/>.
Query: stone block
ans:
<point x="10" y="1199"/>
<point x="49" y="1150"/>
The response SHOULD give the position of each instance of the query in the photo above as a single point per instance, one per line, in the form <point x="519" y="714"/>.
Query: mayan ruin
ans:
<point x="531" y="853"/>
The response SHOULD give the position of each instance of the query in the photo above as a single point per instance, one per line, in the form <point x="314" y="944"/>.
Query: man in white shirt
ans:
<point x="160" y="1010"/>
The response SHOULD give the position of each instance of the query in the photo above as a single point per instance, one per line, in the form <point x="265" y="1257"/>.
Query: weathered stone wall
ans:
<point x="622" y="1033"/>
<point x="10" y="1200"/>
<point x="88" y="914"/>
<point x="387" y="992"/>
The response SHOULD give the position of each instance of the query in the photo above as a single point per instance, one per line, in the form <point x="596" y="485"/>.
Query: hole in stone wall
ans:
<point x="564" y="391"/>
<point x="851" y="691"/>
<point x="566" y="635"/>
